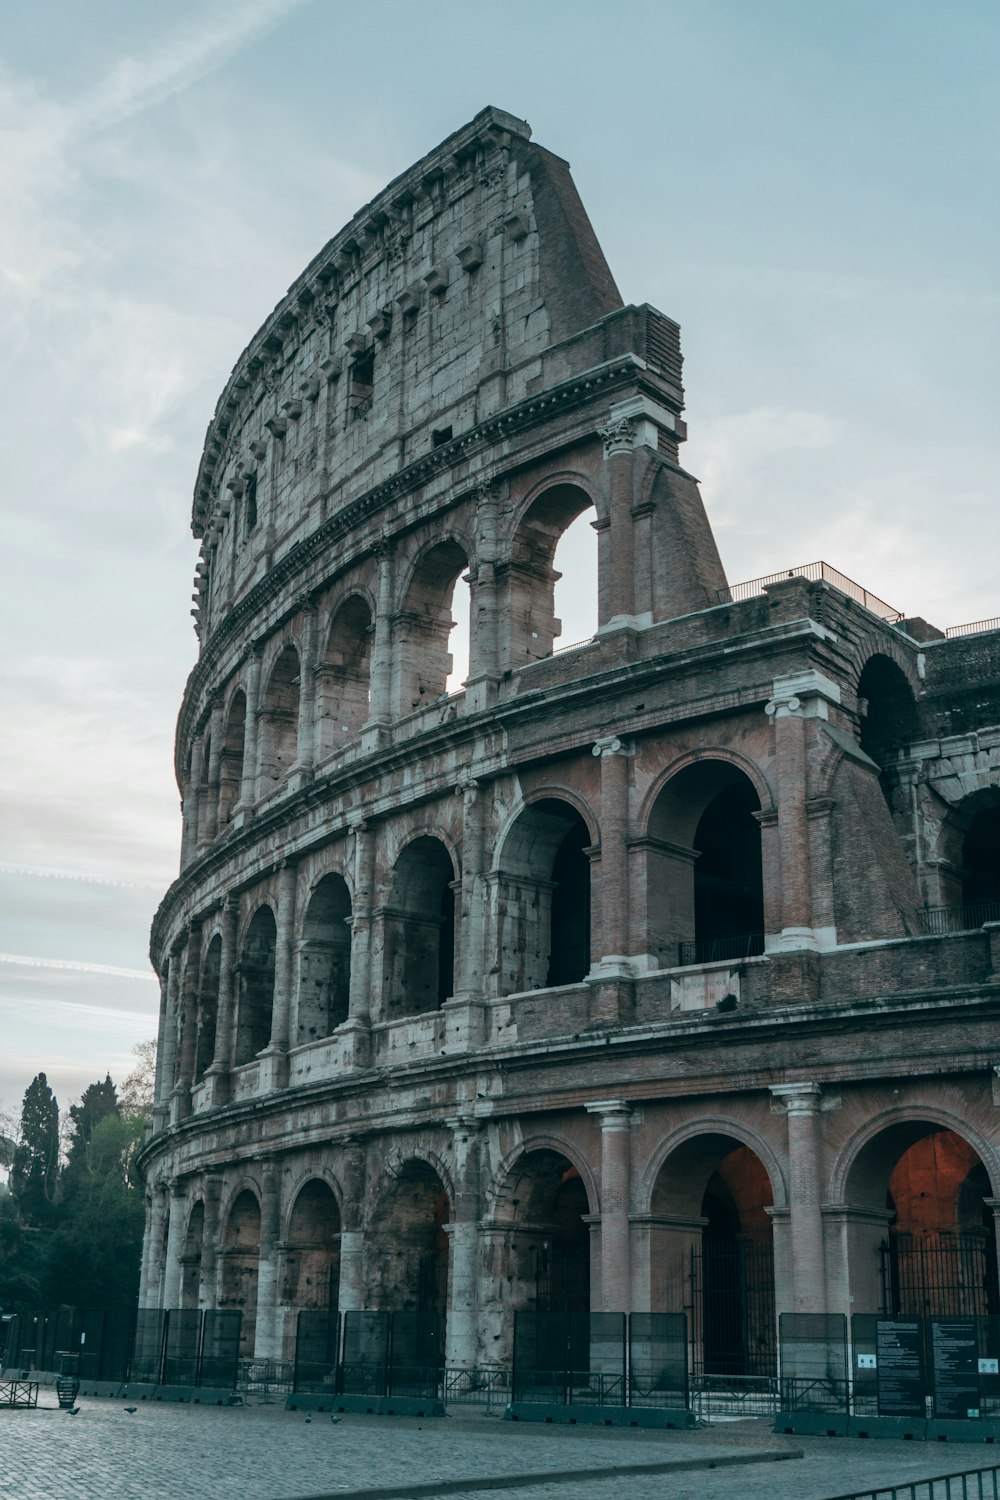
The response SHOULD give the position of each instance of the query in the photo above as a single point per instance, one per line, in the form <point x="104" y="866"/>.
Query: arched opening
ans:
<point x="419" y="923"/>
<point x="208" y="1007"/>
<point x="231" y="759"/>
<point x="459" y="644"/>
<point x="240" y="1254"/>
<point x="255" y="973"/>
<point x="344" y="678"/>
<point x="312" y="1251"/>
<point x="930" y="1246"/>
<point x="543" y="899"/>
<point x="981" y="857"/>
<point x="704" y="871"/>
<point x="425" y="626"/>
<point x="711" y="1253"/>
<point x="324" y="961"/>
<point x="409" y="1245"/>
<point x="279" y="722"/>
<point x="889" y="717"/>
<point x="532" y="577"/>
<point x="191" y="1259"/>
<point x="575" y="564"/>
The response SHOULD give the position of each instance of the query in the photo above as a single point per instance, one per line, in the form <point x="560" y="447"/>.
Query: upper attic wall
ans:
<point x="962" y="691"/>
<point x="466" y="267"/>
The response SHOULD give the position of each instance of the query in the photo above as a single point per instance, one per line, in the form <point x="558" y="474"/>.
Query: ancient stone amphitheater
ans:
<point x="656" y="972"/>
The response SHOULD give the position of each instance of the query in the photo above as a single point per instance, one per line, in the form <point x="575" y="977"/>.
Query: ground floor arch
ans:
<point x="240" y="1254"/>
<point x="408" y="1242"/>
<point x="711" y="1252"/>
<point x="920" y="1234"/>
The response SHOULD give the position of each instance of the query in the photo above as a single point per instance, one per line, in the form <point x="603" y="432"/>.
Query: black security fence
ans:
<point x="369" y="1354"/>
<point x="601" y="1359"/>
<point x="150" y="1346"/>
<point x="946" y="1368"/>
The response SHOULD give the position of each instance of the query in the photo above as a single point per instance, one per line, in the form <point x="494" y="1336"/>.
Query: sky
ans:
<point x="810" y="189"/>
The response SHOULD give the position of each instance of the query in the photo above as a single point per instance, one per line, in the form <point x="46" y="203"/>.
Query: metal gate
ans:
<point x="941" y="1274"/>
<point x="731" y="1309"/>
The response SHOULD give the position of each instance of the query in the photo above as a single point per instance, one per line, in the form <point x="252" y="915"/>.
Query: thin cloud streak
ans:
<point x="181" y="58"/>
<point x="22" y="961"/>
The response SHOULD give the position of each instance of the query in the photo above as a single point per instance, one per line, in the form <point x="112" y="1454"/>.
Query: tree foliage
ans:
<point x="73" y="1236"/>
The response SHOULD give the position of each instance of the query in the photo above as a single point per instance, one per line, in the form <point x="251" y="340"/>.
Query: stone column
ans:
<point x="798" y="696"/>
<point x="161" y="1089"/>
<point x="268" y="1334"/>
<point x="616" y="1253"/>
<point x="217" y="1073"/>
<point x="208" y="1274"/>
<point x="171" y="1286"/>
<point x="462" y="1343"/>
<point x="248" y="789"/>
<point x="614" y="590"/>
<point x="484" y="645"/>
<point x="357" y="1030"/>
<point x="192" y="803"/>
<point x="352" y="1279"/>
<point x="380" y="710"/>
<point x="614" y="894"/>
<point x="151" y="1274"/>
<point x="305" y="742"/>
<point x="274" y="1058"/>
<point x="209" y="814"/>
<point x="466" y="1011"/>
<point x="801" y="1103"/>
<point x="180" y="1106"/>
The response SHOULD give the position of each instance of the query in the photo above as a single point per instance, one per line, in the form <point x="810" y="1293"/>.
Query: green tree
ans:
<point x="35" y="1168"/>
<point x="97" y="1103"/>
<point x="94" y="1255"/>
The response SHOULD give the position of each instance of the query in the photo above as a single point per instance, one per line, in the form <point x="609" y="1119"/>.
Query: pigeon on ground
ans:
<point x="308" y="1419"/>
<point x="131" y="1410"/>
<point x="334" y="1419"/>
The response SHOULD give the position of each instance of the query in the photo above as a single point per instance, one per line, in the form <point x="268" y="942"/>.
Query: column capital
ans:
<point x="803" y="695"/>
<point x="618" y="436"/>
<point x="797" y="1098"/>
<point x="611" y="744"/>
<point x="614" y="1114"/>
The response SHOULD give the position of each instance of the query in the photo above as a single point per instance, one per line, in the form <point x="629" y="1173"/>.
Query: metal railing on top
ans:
<point x="814" y="571"/>
<point x="968" y="1484"/>
<point x="936" y="920"/>
<point x="718" y="949"/>
<point x="978" y="627"/>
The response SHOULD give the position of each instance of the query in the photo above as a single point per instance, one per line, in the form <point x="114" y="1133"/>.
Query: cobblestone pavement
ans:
<point x="266" y="1453"/>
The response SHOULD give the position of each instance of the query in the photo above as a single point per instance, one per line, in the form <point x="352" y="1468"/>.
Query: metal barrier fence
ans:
<point x="969" y="1484"/>
<point x="368" y="1353"/>
<point x="935" y="921"/>
<point x="182" y="1346"/>
<point x="601" y="1359"/>
<point x="977" y="627"/>
<point x="944" y="1368"/>
<point x="265" y="1380"/>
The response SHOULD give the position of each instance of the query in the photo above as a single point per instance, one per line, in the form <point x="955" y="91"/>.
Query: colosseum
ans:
<point x="658" y="972"/>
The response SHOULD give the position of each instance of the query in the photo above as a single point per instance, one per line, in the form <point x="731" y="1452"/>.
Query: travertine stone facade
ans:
<point x="554" y="989"/>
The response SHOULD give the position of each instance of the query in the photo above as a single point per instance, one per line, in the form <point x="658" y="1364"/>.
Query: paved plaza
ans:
<point x="266" y="1453"/>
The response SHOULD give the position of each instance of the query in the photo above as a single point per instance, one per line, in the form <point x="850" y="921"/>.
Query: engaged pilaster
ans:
<point x="616" y="1167"/>
<point x="801" y="1104"/>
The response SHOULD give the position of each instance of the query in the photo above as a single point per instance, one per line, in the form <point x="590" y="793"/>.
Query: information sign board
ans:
<point x="955" y="1358"/>
<point x="899" y="1350"/>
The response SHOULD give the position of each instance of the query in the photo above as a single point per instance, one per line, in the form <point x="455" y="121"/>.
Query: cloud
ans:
<point x="75" y="966"/>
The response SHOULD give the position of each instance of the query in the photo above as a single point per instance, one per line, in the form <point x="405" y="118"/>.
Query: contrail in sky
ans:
<point x="76" y="966"/>
<point x="40" y="872"/>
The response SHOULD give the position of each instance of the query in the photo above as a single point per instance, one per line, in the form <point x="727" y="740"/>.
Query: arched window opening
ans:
<point x="410" y="1244"/>
<point x="931" y="1248"/>
<point x="325" y="961"/>
<point x="531" y="615"/>
<point x="419" y="951"/>
<point x="544" y="899"/>
<point x="240" y="1255"/>
<point x="459" y="644"/>
<point x="231" y="759"/>
<point x="191" y="1261"/>
<point x="981" y="860"/>
<point x="889" y="717"/>
<point x="345" y="676"/>
<point x="256" y="987"/>
<point x="575" y="563"/>
<point x="704" y="873"/>
<point x="280" y="718"/>
<point x="208" y="1007"/>
<point x="724" y="1271"/>
<point x="426" y="625"/>
<point x="312" y="1251"/>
